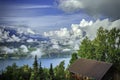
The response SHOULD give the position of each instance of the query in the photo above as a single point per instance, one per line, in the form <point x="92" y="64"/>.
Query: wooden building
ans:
<point x="86" y="69"/>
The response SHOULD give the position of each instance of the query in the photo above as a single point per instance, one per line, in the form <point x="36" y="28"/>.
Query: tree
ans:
<point x="35" y="64"/>
<point x="73" y="58"/>
<point x="35" y="68"/>
<point x="105" y="47"/>
<point x="51" y="72"/>
<point x="60" y="72"/>
<point x="25" y="72"/>
<point x="100" y="43"/>
<point x="41" y="75"/>
<point x="114" y="47"/>
<point x="87" y="49"/>
<point x="32" y="77"/>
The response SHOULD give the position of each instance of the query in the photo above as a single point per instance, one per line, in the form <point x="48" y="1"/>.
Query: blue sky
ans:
<point x="39" y="15"/>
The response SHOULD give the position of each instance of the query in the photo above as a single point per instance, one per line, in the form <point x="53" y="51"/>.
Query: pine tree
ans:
<point x="51" y="72"/>
<point x="35" y="64"/>
<point x="41" y="75"/>
<point x="35" y="68"/>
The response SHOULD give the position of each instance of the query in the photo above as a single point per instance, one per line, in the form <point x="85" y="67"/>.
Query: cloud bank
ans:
<point x="108" y="8"/>
<point x="77" y="30"/>
<point x="91" y="27"/>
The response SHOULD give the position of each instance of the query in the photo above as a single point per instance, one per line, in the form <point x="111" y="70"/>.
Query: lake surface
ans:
<point x="45" y="62"/>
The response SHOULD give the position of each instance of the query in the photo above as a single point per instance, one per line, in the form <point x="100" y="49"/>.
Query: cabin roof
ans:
<point x="90" y="68"/>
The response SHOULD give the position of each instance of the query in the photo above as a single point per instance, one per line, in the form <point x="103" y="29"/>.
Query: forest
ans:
<point x="104" y="47"/>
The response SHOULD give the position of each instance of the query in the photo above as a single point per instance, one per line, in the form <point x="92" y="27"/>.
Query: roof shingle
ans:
<point x="90" y="68"/>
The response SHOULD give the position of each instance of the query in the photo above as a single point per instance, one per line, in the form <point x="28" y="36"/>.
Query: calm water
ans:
<point x="45" y="62"/>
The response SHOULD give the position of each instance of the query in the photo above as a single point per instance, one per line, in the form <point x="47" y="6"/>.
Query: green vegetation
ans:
<point x="73" y="58"/>
<point x="37" y="72"/>
<point x="105" y="47"/>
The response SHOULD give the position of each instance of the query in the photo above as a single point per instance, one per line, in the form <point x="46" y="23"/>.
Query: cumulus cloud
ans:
<point x="30" y="40"/>
<point x="109" y="8"/>
<point x="76" y="34"/>
<point x="4" y="35"/>
<point x="9" y="50"/>
<point x="15" y="38"/>
<point x="25" y="49"/>
<point x="91" y="27"/>
<point x="63" y="32"/>
<point x="30" y="31"/>
<point x="37" y="52"/>
<point x="70" y="5"/>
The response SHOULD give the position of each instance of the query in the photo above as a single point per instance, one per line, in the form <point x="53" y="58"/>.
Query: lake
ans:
<point x="44" y="61"/>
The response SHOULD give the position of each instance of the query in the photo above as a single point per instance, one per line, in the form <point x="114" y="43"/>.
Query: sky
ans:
<point x="42" y="15"/>
<point x="46" y="15"/>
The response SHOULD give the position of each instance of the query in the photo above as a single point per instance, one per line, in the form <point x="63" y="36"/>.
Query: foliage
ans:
<point x="73" y="58"/>
<point x="105" y="47"/>
<point x="51" y="72"/>
<point x="36" y="73"/>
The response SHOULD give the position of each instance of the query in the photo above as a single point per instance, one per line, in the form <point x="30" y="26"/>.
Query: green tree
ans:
<point x="51" y="72"/>
<point x="25" y="72"/>
<point x="41" y="75"/>
<point x="60" y="72"/>
<point x="35" y="68"/>
<point x="100" y="43"/>
<point x="73" y="58"/>
<point x="114" y="47"/>
<point x="35" y="65"/>
<point x="87" y="49"/>
<point x="105" y="47"/>
<point x="32" y="77"/>
<point x="46" y="74"/>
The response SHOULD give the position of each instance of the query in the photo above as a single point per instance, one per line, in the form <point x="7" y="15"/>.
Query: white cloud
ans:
<point x="91" y="29"/>
<point x="25" y="49"/>
<point x="109" y="8"/>
<point x="15" y="38"/>
<point x="3" y="34"/>
<point x="66" y="50"/>
<point x="30" y="31"/>
<point x="37" y="52"/>
<point x="84" y="23"/>
<point x="70" y="5"/>
<point x="76" y="30"/>
<point x="62" y="33"/>
<point x="9" y="50"/>
<point x="30" y="40"/>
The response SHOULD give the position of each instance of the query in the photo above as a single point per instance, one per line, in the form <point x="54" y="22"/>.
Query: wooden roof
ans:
<point x="90" y="68"/>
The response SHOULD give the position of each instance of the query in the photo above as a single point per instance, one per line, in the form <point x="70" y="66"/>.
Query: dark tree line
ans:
<point x="37" y="72"/>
